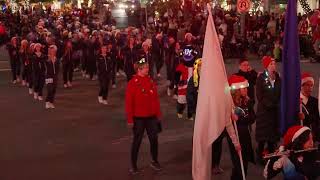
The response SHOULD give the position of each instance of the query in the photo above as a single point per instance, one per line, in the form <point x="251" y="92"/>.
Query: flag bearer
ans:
<point x="246" y="117"/>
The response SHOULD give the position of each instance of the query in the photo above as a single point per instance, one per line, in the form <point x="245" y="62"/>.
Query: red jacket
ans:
<point x="183" y="81"/>
<point x="142" y="98"/>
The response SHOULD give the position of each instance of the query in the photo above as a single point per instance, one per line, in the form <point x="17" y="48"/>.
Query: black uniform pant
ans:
<point x="129" y="73"/>
<point x="217" y="149"/>
<point x="216" y="156"/>
<point x="104" y="82"/>
<point x="39" y="80"/>
<point x="27" y="74"/>
<point x="92" y="68"/>
<point x="84" y="63"/>
<point x="24" y="72"/>
<point x="51" y="91"/>
<point x="169" y="69"/>
<point x="236" y="170"/>
<point x="271" y="146"/>
<point x="15" y="68"/>
<point x="149" y="124"/>
<point x="158" y="60"/>
<point x="151" y="68"/>
<point x="119" y="64"/>
<point x="67" y="72"/>
<point x="181" y="108"/>
<point x="113" y="74"/>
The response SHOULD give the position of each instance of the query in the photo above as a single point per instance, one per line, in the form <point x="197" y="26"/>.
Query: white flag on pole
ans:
<point x="214" y="103"/>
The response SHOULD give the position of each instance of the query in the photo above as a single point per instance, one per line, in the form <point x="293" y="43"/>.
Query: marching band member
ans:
<point x="52" y="70"/>
<point x="104" y="67"/>
<point x="143" y="113"/>
<point x="39" y="66"/>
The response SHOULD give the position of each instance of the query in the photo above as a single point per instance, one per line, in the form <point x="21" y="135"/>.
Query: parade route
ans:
<point x="83" y="140"/>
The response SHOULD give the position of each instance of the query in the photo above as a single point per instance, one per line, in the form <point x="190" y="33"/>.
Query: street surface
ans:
<point x="83" y="140"/>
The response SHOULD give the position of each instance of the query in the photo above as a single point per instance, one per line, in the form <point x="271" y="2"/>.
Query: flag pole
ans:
<point x="301" y="121"/>
<point x="240" y="154"/>
<point x="319" y="97"/>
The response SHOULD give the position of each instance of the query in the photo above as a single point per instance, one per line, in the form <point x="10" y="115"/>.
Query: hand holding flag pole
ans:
<point x="300" y="112"/>
<point x="239" y="151"/>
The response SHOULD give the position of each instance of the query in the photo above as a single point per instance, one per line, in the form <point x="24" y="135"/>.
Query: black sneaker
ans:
<point x="134" y="171"/>
<point x="156" y="166"/>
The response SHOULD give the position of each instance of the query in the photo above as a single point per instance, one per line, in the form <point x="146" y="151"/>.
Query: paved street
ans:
<point x="123" y="20"/>
<point x="83" y="140"/>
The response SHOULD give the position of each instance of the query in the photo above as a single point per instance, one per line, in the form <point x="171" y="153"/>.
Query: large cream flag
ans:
<point x="214" y="103"/>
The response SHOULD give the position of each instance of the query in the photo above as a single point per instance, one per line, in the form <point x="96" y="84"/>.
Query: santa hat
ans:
<point x="24" y="41"/>
<point x="37" y="45"/>
<point x="146" y="43"/>
<point x="306" y="77"/>
<point x="13" y="38"/>
<point x="53" y="47"/>
<point x="293" y="133"/>
<point x="266" y="60"/>
<point x="187" y="35"/>
<point x="237" y="82"/>
<point x="32" y="45"/>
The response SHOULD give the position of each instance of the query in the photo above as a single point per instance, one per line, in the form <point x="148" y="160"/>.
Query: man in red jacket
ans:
<point x="143" y="112"/>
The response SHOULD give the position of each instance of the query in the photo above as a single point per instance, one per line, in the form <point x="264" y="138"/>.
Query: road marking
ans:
<point x="3" y="70"/>
<point x="122" y="139"/>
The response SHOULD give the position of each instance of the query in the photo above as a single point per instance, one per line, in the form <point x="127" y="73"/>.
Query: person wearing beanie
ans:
<point x="13" y="51"/>
<point x="143" y="113"/>
<point x="51" y="76"/>
<point x="309" y="106"/>
<point x="104" y="67"/>
<point x="246" y="117"/>
<point x="250" y="74"/>
<point x="39" y="69"/>
<point x="295" y="165"/>
<point x="268" y="89"/>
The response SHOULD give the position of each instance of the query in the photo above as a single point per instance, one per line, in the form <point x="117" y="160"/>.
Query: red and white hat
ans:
<point x="188" y="35"/>
<point x="237" y="82"/>
<point x="306" y="77"/>
<point x="293" y="133"/>
<point x="266" y="60"/>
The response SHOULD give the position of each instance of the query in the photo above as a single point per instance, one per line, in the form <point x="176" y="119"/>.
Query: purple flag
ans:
<point x="291" y="80"/>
